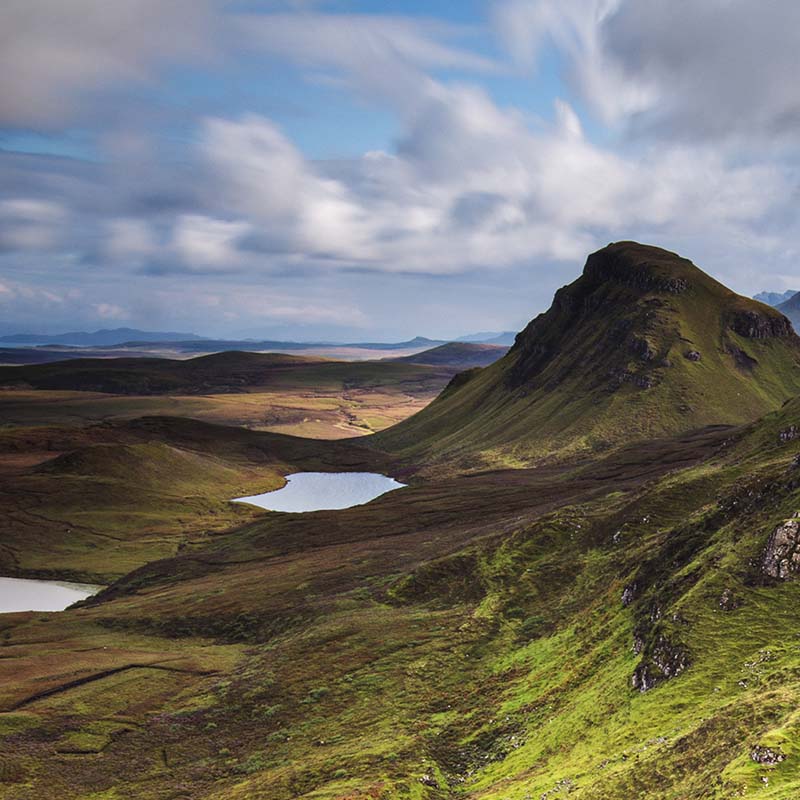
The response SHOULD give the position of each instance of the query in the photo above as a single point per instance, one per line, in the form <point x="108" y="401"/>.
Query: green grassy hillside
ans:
<point x="602" y="631"/>
<point x="93" y="504"/>
<point x="286" y="394"/>
<point x="217" y="373"/>
<point x="620" y="624"/>
<point x="643" y="344"/>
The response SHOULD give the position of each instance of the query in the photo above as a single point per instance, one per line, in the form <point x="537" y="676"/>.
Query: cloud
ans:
<point x="206" y="243"/>
<point x="53" y="53"/>
<point x="710" y="70"/>
<point x="385" y="57"/>
<point x="110" y="311"/>
<point x="473" y="186"/>
<point x="247" y="224"/>
<point x="57" y="58"/>
<point x="262" y="175"/>
<point x="470" y="186"/>
<point x="17" y="295"/>
<point x="30" y="223"/>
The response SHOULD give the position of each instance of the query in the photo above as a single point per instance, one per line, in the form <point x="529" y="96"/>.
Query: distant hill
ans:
<point x="792" y="309"/>
<point x="462" y="355"/>
<point x="218" y="373"/>
<point x="774" y="298"/>
<point x="490" y="337"/>
<point x="101" y="338"/>
<point x="506" y="338"/>
<point x="39" y="354"/>
<point x="44" y="355"/>
<point x="642" y="345"/>
<point x="207" y="345"/>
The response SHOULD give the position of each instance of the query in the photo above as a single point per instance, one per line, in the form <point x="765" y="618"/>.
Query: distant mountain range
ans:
<point x="505" y="339"/>
<point x="775" y="298"/>
<point x="191" y="342"/>
<point x="102" y="338"/>
<point x="791" y="308"/>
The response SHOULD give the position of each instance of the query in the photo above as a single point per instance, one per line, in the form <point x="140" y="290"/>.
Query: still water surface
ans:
<point x="319" y="491"/>
<point x="21" y="594"/>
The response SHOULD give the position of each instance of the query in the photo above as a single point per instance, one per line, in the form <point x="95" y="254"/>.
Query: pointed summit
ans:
<point x="791" y="308"/>
<point x="642" y="344"/>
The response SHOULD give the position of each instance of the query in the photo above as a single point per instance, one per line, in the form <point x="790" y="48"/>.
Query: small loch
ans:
<point x="323" y="491"/>
<point x="22" y="594"/>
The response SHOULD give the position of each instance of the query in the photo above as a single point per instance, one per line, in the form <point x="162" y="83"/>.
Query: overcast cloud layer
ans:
<point x="130" y="194"/>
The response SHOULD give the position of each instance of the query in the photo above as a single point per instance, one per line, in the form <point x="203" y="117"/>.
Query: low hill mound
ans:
<point x="458" y="354"/>
<point x="218" y="372"/>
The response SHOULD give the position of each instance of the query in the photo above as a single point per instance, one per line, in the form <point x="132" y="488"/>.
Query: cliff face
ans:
<point x="644" y="336"/>
<point x="629" y="302"/>
<point x="757" y="325"/>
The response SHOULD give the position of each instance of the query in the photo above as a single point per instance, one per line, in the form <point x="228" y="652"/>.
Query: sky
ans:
<point x="360" y="170"/>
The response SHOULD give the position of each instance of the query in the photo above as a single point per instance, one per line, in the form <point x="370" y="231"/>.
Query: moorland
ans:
<point x="587" y="588"/>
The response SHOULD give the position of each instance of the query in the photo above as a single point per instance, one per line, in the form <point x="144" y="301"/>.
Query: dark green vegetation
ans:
<point x="217" y="373"/>
<point x="643" y="344"/>
<point x="610" y="626"/>
<point x="94" y="503"/>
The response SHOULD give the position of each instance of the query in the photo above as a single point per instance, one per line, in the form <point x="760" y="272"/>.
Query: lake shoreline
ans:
<point x="305" y="492"/>
<point x="20" y="595"/>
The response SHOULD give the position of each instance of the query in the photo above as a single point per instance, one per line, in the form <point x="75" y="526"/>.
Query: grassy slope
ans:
<point x="459" y="639"/>
<point x="573" y="383"/>
<point x="96" y="503"/>
<point x="217" y="373"/>
<point x="264" y="392"/>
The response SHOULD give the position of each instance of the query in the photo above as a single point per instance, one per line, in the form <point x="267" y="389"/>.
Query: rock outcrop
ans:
<point x="766" y="755"/>
<point x="754" y="325"/>
<point x="781" y="557"/>
<point x="789" y="434"/>
<point x="664" y="660"/>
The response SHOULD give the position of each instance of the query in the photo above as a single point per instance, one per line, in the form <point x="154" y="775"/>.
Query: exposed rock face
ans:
<point x="665" y="660"/>
<point x="642" y="348"/>
<point x="728" y="601"/>
<point x="744" y="361"/>
<point x="789" y="434"/>
<point x="766" y="755"/>
<point x="642" y="379"/>
<point x="781" y="558"/>
<point x="754" y="325"/>
<point x="611" y="264"/>
<point x="629" y="594"/>
<point x="693" y="355"/>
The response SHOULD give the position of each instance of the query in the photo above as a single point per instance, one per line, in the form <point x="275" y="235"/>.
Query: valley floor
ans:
<point x="466" y="637"/>
<point x="603" y="628"/>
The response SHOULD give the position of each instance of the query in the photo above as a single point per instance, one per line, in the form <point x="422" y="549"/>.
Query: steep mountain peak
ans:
<point x="791" y="308"/>
<point x="642" y="344"/>
<point x="641" y="267"/>
<point x="631" y="311"/>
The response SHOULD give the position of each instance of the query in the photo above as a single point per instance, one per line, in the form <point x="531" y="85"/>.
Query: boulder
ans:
<point x="781" y="557"/>
<point x="766" y="755"/>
